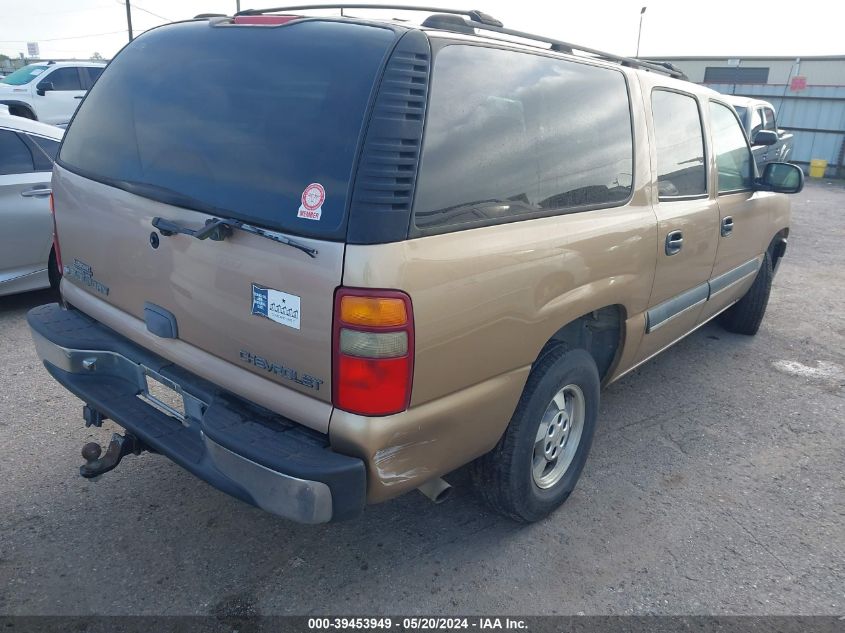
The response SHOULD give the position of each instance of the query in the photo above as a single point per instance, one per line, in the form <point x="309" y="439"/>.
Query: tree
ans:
<point x="97" y="57"/>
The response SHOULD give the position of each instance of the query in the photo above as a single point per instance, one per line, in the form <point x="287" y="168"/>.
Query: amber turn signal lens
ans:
<point x="373" y="311"/>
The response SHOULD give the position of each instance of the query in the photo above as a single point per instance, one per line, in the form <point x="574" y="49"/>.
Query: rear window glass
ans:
<point x="244" y="123"/>
<point x="680" y="145"/>
<point x="512" y="135"/>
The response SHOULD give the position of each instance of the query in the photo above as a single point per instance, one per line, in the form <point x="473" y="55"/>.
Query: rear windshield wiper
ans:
<point x="216" y="229"/>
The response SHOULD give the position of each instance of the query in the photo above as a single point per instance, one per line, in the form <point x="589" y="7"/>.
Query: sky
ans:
<point x="79" y="28"/>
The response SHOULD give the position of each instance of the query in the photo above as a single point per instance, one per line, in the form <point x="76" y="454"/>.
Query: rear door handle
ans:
<point x="727" y="225"/>
<point x="38" y="192"/>
<point x="674" y="242"/>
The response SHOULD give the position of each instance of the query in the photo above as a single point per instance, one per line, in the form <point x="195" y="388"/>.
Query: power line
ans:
<point x="76" y="10"/>
<point x="129" y="15"/>
<point x="78" y="37"/>
<point x="160" y="17"/>
<point x="57" y="39"/>
<point x="139" y="8"/>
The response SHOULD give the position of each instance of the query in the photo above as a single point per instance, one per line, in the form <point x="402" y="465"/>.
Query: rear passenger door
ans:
<point x="24" y="206"/>
<point x="687" y="220"/>
<point x="744" y="225"/>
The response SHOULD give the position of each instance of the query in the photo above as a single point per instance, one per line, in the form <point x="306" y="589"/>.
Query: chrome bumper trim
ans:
<point x="292" y="498"/>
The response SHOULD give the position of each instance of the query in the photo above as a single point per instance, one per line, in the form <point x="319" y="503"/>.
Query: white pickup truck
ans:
<point x="48" y="91"/>
<point x="758" y="116"/>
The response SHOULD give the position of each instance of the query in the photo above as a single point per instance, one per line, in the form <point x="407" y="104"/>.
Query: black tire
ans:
<point x="746" y="315"/>
<point x="53" y="271"/>
<point x="504" y="476"/>
<point x="22" y="112"/>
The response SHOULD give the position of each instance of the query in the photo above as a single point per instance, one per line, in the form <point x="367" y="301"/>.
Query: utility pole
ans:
<point x="129" y="19"/>
<point x="639" y="33"/>
<point x="238" y="5"/>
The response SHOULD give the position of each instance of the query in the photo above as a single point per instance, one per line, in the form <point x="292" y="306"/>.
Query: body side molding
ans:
<point x="664" y="312"/>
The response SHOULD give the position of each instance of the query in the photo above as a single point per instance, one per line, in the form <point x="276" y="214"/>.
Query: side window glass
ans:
<point x="66" y="78"/>
<point x="43" y="151"/>
<point x="741" y="112"/>
<point x="733" y="158"/>
<point x="521" y="143"/>
<point x="94" y="73"/>
<point x="769" y="120"/>
<point x="756" y="122"/>
<point x="15" y="157"/>
<point x="681" y="170"/>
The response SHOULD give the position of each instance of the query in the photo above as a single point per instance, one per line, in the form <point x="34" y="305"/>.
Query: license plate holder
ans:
<point x="164" y="395"/>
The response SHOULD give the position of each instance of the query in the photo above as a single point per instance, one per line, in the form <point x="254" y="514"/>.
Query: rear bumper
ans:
<point x="241" y="449"/>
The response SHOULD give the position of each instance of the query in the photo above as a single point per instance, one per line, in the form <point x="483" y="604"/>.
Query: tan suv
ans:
<point x="387" y="251"/>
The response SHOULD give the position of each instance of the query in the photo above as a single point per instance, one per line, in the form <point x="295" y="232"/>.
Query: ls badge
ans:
<point x="277" y="306"/>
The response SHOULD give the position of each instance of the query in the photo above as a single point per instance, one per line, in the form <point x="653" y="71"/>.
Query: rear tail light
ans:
<point x="373" y="346"/>
<point x="56" y="248"/>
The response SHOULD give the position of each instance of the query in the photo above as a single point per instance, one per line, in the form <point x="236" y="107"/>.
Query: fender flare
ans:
<point x="20" y="104"/>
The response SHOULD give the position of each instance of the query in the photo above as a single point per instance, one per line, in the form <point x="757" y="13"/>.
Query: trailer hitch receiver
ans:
<point x="120" y="446"/>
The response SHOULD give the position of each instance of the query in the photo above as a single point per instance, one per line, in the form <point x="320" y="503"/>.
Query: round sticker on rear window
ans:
<point x="312" y="202"/>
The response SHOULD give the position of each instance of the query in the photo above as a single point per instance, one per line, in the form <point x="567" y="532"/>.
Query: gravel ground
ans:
<point x="715" y="486"/>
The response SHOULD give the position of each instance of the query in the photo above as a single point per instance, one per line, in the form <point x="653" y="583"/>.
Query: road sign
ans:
<point x="32" y="49"/>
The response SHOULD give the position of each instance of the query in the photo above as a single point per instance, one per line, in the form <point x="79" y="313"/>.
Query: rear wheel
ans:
<point x="538" y="461"/>
<point x="20" y="111"/>
<point x="746" y="315"/>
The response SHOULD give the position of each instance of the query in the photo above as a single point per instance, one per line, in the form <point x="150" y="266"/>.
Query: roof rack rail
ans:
<point x="476" y="16"/>
<point x="668" y="65"/>
<point x="567" y="47"/>
<point x="481" y="21"/>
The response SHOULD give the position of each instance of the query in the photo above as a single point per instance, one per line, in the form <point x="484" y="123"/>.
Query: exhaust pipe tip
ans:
<point x="437" y="490"/>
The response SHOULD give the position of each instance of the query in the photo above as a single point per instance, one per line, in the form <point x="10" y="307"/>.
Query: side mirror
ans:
<point x="781" y="178"/>
<point x="765" y="137"/>
<point x="44" y="87"/>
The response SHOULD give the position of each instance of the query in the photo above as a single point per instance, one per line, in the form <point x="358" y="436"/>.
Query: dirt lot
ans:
<point x="715" y="486"/>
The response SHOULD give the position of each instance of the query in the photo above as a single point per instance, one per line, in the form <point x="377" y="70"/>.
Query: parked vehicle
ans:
<point x="756" y="115"/>
<point x="27" y="151"/>
<point x="406" y="249"/>
<point x="48" y="91"/>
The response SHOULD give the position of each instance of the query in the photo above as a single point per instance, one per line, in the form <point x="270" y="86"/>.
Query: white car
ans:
<point x="48" y="91"/>
<point x="27" y="151"/>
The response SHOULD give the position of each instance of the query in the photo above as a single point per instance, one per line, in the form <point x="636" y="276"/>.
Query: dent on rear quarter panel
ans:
<point x="405" y="450"/>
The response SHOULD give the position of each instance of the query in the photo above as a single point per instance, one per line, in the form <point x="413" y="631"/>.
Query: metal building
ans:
<point x="808" y="94"/>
